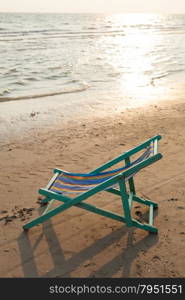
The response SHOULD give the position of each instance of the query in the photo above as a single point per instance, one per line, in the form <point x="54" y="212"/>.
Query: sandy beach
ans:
<point x="77" y="243"/>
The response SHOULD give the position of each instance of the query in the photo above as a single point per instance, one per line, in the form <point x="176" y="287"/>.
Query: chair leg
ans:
<point x="45" y="216"/>
<point x="146" y="227"/>
<point x="152" y="205"/>
<point x="131" y="180"/>
<point x="125" y="203"/>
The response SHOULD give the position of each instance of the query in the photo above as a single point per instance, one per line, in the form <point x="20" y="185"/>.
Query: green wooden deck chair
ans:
<point x="73" y="188"/>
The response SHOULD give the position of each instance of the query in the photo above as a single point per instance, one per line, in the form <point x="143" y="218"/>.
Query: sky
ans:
<point x="94" y="6"/>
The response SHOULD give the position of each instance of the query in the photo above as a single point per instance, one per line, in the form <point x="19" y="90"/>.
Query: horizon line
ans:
<point x="98" y="12"/>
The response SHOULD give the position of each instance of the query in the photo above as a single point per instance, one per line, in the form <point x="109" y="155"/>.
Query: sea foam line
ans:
<point x="4" y="99"/>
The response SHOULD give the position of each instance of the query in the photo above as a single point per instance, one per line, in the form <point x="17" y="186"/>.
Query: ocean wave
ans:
<point x="90" y="28"/>
<point x="161" y="75"/>
<point x="165" y="74"/>
<point x="11" y="40"/>
<point x="14" y="70"/>
<point x="49" y="94"/>
<point x="69" y="35"/>
<point x="115" y="74"/>
<point x="3" y="92"/>
<point x="60" y="32"/>
<point x="176" y="71"/>
<point x="20" y="82"/>
<point x="19" y="32"/>
<point x="32" y="78"/>
<point x="11" y="72"/>
<point x="52" y="77"/>
<point x="55" y="68"/>
<point x="72" y="81"/>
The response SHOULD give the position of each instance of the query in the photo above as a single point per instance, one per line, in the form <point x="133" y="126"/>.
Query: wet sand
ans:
<point x="77" y="243"/>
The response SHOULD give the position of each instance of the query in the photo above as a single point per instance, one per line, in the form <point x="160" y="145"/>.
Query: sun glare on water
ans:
<point x="135" y="54"/>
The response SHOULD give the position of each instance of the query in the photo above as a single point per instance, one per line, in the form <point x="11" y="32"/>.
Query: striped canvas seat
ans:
<point x="67" y="183"/>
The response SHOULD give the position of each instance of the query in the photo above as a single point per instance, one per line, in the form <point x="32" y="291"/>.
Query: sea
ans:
<point x="71" y="64"/>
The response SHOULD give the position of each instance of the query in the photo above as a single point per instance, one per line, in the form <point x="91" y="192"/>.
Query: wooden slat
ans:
<point x="51" y="181"/>
<point x="155" y="147"/>
<point x="151" y="215"/>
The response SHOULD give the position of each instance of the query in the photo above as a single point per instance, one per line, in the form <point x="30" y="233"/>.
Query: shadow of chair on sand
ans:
<point x="63" y="267"/>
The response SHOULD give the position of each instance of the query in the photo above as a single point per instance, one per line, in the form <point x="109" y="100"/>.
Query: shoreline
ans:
<point x="103" y="248"/>
<point x="27" y="118"/>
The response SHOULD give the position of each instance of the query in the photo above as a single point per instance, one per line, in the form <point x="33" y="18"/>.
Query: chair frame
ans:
<point x="127" y="197"/>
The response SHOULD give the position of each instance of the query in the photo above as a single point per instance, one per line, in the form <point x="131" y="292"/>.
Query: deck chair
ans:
<point x="73" y="188"/>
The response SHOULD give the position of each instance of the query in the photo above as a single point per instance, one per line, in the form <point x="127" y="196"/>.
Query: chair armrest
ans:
<point x="125" y="155"/>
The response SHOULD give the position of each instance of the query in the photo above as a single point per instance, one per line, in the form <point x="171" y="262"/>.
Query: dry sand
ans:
<point x="77" y="243"/>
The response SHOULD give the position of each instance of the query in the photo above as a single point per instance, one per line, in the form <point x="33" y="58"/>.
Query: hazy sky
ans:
<point x="105" y="6"/>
